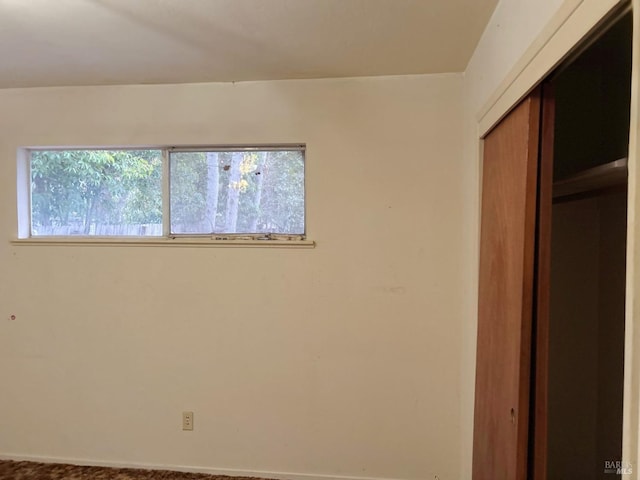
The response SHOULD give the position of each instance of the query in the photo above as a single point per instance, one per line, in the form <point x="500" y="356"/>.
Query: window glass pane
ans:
<point x="237" y="192"/>
<point x="96" y="192"/>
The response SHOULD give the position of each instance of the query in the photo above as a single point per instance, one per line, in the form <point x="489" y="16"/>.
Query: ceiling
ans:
<point x="100" y="42"/>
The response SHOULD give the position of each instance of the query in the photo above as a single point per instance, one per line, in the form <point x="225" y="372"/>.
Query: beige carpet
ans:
<point x="10" y="470"/>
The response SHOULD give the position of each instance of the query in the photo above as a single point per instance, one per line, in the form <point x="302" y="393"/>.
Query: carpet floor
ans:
<point x="10" y="470"/>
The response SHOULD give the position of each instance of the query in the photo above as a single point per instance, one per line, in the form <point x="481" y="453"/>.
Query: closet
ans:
<point x="550" y="352"/>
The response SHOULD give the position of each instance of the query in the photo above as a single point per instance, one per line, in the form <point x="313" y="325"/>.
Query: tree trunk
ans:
<point x="262" y="161"/>
<point x="88" y="215"/>
<point x="233" y="196"/>
<point x="212" y="189"/>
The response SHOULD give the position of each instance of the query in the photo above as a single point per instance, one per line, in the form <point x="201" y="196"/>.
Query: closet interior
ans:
<point x="585" y="345"/>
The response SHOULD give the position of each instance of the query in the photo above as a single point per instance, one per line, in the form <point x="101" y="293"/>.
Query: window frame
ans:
<point x="24" y="211"/>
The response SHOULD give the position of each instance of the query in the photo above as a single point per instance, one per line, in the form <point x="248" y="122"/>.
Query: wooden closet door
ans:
<point x="541" y="321"/>
<point x="507" y="243"/>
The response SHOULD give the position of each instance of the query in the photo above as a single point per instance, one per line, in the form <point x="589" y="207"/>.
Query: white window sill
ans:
<point x="160" y="242"/>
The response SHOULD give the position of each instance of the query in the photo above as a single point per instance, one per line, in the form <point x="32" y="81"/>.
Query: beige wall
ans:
<point x="341" y="360"/>
<point x="514" y="26"/>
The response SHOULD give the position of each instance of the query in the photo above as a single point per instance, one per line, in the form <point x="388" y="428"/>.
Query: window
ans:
<point x="237" y="192"/>
<point x="253" y="192"/>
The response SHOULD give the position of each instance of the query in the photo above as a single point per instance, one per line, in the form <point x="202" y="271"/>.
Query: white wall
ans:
<point x="342" y="360"/>
<point x="513" y="27"/>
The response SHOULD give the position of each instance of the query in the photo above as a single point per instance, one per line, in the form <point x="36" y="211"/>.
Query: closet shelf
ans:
<point x="603" y="176"/>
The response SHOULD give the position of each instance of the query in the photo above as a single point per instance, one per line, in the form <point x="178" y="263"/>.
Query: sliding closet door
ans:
<point x="540" y="356"/>
<point x="508" y="235"/>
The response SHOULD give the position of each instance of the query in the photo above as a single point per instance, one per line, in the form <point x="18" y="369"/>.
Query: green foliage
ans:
<point x="188" y="187"/>
<point x="85" y="187"/>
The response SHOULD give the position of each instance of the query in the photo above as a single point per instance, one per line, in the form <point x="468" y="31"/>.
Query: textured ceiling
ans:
<point x="98" y="42"/>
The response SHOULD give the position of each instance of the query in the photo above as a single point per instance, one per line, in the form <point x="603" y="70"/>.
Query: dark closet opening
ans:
<point x="588" y="255"/>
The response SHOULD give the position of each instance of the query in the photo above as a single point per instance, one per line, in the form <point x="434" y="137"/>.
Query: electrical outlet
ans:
<point x="187" y="420"/>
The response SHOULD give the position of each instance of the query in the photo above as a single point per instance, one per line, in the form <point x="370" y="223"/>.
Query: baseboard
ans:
<point x="184" y="468"/>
